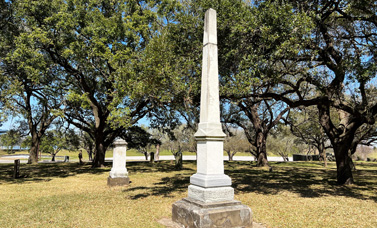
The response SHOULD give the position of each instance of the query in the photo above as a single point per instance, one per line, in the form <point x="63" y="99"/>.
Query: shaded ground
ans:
<point x="294" y="194"/>
<point x="308" y="179"/>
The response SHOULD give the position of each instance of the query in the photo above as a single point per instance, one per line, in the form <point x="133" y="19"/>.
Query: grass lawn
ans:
<point x="299" y="194"/>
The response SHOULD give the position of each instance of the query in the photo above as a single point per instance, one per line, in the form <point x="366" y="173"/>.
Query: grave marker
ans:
<point x="16" y="171"/>
<point x="118" y="174"/>
<point x="210" y="201"/>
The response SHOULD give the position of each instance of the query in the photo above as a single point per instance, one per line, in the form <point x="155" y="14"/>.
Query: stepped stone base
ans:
<point x="118" y="181"/>
<point x="190" y="213"/>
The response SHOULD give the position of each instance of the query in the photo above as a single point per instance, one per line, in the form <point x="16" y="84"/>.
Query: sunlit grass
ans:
<point x="299" y="194"/>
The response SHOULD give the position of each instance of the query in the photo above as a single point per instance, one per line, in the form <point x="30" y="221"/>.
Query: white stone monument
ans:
<point x="210" y="201"/>
<point x="118" y="174"/>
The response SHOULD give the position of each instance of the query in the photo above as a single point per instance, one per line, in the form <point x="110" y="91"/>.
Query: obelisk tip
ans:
<point x="210" y="27"/>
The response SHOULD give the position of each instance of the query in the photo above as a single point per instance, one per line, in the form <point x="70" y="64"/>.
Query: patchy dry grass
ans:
<point x="301" y="194"/>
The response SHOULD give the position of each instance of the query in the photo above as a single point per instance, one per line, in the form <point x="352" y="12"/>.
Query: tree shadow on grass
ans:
<point x="313" y="181"/>
<point x="306" y="179"/>
<point x="45" y="171"/>
<point x="165" y="187"/>
<point x="160" y="166"/>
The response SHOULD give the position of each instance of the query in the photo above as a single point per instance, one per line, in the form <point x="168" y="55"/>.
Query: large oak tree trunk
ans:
<point x="261" y="150"/>
<point x="34" y="149"/>
<point x="341" y="140"/>
<point x="100" y="152"/>
<point x="343" y="163"/>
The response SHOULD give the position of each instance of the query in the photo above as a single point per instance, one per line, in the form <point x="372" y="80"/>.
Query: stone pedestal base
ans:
<point x="118" y="181"/>
<point x="191" y="213"/>
<point x="210" y="195"/>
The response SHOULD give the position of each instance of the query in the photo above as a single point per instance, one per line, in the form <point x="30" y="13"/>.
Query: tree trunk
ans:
<point x="99" y="157"/>
<point x="53" y="157"/>
<point x="343" y="163"/>
<point x="231" y="157"/>
<point x="341" y="140"/>
<point x="152" y="158"/>
<point x="146" y="155"/>
<point x="322" y="153"/>
<point x="178" y="161"/>
<point x="261" y="150"/>
<point x="157" y="155"/>
<point x="90" y="153"/>
<point x="34" y="149"/>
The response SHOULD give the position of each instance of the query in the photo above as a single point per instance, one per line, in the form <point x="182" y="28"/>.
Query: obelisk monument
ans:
<point x="210" y="201"/>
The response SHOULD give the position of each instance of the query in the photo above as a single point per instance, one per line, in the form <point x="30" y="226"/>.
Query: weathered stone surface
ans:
<point x="210" y="28"/>
<point x="119" y="160"/>
<point x="194" y="214"/>
<point x="210" y="201"/>
<point x="209" y="94"/>
<point x="210" y="195"/>
<point x="210" y="137"/>
<point x="210" y="180"/>
<point x="168" y="223"/>
<point x="210" y="165"/>
<point x="118" y="181"/>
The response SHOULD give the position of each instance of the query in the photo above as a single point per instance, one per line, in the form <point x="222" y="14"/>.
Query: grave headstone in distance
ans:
<point x="16" y="172"/>
<point x="118" y="173"/>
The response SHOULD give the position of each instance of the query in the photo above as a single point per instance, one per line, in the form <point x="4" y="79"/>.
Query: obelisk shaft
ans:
<point x="209" y="124"/>
<point x="209" y="107"/>
<point x="210" y="137"/>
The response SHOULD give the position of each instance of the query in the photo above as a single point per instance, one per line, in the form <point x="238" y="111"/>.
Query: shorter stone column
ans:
<point x="118" y="174"/>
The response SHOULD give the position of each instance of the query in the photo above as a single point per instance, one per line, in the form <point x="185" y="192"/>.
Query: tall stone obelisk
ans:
<point x="210" y="201"/>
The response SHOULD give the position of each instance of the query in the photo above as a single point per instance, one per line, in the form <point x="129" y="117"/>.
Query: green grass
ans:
<point x="4" y="152"/>
<point x="300" y="194"/>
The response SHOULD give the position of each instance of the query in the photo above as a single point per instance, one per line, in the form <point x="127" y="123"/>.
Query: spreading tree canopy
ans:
<point x="102" y="47"/>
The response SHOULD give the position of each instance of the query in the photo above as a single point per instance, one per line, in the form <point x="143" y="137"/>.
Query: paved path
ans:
<point x="193" y="158"/>
<point x="23" y="158"/>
